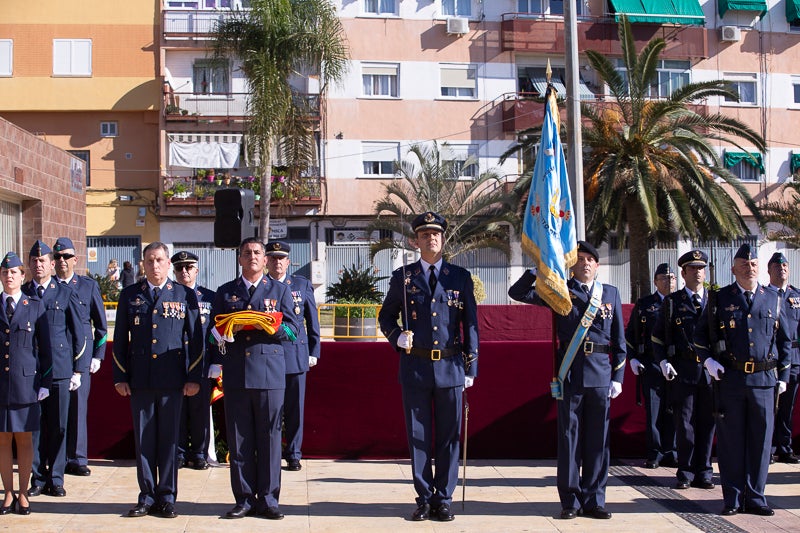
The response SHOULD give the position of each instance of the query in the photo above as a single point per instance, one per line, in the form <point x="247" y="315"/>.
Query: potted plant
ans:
<point x="356" y="318"/>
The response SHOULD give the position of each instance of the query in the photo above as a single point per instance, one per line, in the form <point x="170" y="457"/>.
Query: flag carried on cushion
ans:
<point x="548" y="228"/>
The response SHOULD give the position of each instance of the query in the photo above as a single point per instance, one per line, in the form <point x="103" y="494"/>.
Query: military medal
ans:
<point x="136" y="320"/>
<point x="413" y="315"/>
<point x="732" y="324"/>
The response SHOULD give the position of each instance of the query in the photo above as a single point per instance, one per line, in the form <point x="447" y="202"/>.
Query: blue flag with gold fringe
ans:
<point x="548" y="228"/>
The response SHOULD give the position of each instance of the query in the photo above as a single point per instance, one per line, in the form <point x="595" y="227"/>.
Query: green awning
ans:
<point x="753" y="159"/>
<point x="792" y="11"/>
<point x="759" y="6"/>
<point x="686" y="12"/>
<point x="794" y="162"/>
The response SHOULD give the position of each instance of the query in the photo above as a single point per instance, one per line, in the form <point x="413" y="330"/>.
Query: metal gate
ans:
<point x="120" y="248"/>
<point x="9" y="228"/>
<point x="491" y="266"/>
<point x="340" y="256"/>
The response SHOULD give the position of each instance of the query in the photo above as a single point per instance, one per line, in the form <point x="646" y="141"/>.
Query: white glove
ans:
<point x="668" y="370"/>
<point x="781" y="387"/>
<point x="74" y="381"/>
<point x="405" y="340"/>
<point x="43" y="393"/>
<point x="469" y="381"/>
<point x="615" y="389"/>
<point x="635" y="366"/>
<point x="715" y="370"/>
<point x="214" y="371"/>
<point x="94" y="366"/>
<point x="533" y="270"/>
<point x="312" y="361"/>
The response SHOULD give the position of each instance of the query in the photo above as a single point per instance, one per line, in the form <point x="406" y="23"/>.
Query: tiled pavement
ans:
<point x="346" y="496"/>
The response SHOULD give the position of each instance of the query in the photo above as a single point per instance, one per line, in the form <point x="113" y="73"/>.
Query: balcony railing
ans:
<point x="305" y="190"/>
<point x="179" y="24"/>
<point x="188" y="106"/>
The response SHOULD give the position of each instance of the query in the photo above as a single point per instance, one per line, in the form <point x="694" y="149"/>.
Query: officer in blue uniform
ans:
<point x="595" y="377"/>
<point x="746" y="348"/>
<point x="70" y="360"/>
<point x="660" y="430"/>
<point x="301" y="354"/>
<point x="195" y="415"/>
<point x="158" y="358"/>
<point x="25" y="379"/>
<point x="778" y="269"/>
<point x="690" y="392"/>
<point x="93" y="317"/>
<point x="430" y="314"/>
<point x="255" y="379"/>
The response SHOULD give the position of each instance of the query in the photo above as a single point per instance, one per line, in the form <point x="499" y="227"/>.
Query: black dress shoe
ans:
<point x="10" y="508"/>
<point x="23" y="509"/>
<point x="293" y="465"/>
<point x="729" y="511"/>
<point x="55" y="490"/>
<point x="759" y="510"/>
<point x="167" y="510"/>
<point x="568" y="514"/>
<point x="444" y="514"/>
<point x="599" y="512"/>
<point x="240" y="511"/>
<point x="141" y="509"/>
<point x="669" y="462"/>
<point x="680" y="485"/>
<point x="181" y="463"/>
<point x="200" y="464"/>
<point x="34" y="491"/>
<point x="771" y="459"/>
<point x="651" y="463"/>
<point x="272" y="513"/>
<point x="77" y="470"/>
<point x="703" y="484"/>
<point x="789" y="458"/>
<point x="423" y="512"/>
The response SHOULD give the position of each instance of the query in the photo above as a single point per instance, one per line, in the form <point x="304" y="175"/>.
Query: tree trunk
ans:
<point x="638" y="244"/>
<point x="265" y="163"/>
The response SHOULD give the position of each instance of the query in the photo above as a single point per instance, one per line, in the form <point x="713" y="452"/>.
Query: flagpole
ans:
<point x="574" y="138"/>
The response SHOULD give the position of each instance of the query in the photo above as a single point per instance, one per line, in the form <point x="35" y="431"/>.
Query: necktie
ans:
<point x="585" y="288"/>
<point x="156" y="293"/>
<point x="251" y="290"/>
<point x="9" y="307"/>
<point x="63" y="282"/>
<point x="432" y="278"/>
<point x="749" y="296"/>
<point x="698" y="305"/>
<point x="40" y="291"/>
<point x="781" y="293"/>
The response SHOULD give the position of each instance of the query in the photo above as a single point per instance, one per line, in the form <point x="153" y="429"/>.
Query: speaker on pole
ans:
<point x="234" y="220"/>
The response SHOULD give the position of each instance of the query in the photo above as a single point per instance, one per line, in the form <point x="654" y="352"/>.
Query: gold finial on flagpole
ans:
<point x="548" y="72"/>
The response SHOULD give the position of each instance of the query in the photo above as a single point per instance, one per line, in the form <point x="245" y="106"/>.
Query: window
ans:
<point x="457" y="8"/>
<point x="6" y="57"/>
<point x="84" y="155"/>
<point x="670" y="76"/>
<point x="745" y="85"/>
<point x="460" y="155"/>
<point x="745" y="166"/>
<point x="458" y="81"/>
<point x="379" y="7"/>
<point x="547" y="7"/>
<point x="379" y="158"/>
<point x="210" y="76"/>
<point x="796" y="90"/>
<point x="379" y="79"/>
<point x="108" y="129"/>
<point x="72" y="57"/>
<point x="208" y="4"/>
<point x="534" y="80"/>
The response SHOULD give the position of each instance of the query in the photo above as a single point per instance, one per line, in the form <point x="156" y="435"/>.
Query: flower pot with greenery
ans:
<point x="356" y="292"/>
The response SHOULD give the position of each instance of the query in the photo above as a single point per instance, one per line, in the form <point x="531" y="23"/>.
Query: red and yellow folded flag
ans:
<point x="248" y="320"/>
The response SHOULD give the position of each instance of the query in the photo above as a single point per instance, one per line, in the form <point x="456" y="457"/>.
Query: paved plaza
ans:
<point x="366" y="495"/>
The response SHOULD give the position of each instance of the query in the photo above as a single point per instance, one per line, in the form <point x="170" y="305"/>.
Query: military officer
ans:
<point x="430" y="314"/>
<point x="158" y="358"/>
<point x="93" y="317"/>
<point x="195" y="419"/>
<point x="595" y="377"/>
<point x="70" y="360"/>
<point x="301" y="354"/>
<point x="778" y="269"/>
<point x="255" y="379"/>
<point x="746" y="348"/>
<point x="691" y="386"/>
<point x="660" y="430"/>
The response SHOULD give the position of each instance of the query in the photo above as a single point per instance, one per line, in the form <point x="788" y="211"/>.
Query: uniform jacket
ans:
<point x="593" y="369"/>
<point x="255" y="359"/>
<point x="791" y="314"/>
<point x="682" y="322"/>
<point x="640" y="327"/>
<point x="748" y="335"/>
<point x="92" y="313"/>
<point x="205" y="300"/>
<point x="306" y="345"/>
<point x="446" y="319"/>
<point x="25" y="354"/>
<point x="67" y="334"/>
<point x="157" y="345"/>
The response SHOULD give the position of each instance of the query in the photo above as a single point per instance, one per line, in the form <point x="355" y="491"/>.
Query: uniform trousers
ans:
<point x="195" y="424"/>
<point x="744" y="435"/>
<point x="77" y="437"/>
<point x="253" y="420"/>
<point x="660" y="434"/>
<point x="583" y="447"/>
<point x="433" y="423"/>
<point x="156" y="417"/>
<point x="50" y="442"/>
<point x="293" y="412"/>
<point x="782" y="438"/>
<point x="694" y="424"/>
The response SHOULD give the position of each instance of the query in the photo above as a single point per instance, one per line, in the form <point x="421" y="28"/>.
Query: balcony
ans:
<point x="223" y="107"/>
<point x="192" y="24"/>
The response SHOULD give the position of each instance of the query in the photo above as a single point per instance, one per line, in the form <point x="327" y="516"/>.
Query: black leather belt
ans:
<point x="748" y="367"/>
<point x="435" y="355"/>
<point x="689" y="356"/>
<point x="593" y="347"/>
<point x="795" y="344"/>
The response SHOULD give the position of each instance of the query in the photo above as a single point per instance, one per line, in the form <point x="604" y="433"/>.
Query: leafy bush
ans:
<point x="356" y="285"/>
<point x="109" y="289"/>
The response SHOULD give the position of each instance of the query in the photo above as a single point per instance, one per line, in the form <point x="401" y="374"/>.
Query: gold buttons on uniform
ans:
<point x="155" y="311"/>
<point x="434" y="313"/>
<point x="155" y="341"/>
<point x="6" y="356"/>
<point x="435" y="328"/>
<point x="249" y="306"/>
<point x="155" y="356"/>
<point x="247" y="338"/>
<point x="247" y="354"/>
<point x="750" y="330"/>
<point x="155" y="326"/>
<point x="6" y="369"/>
<point x="435" y="342"/>
<point x="7" y="343"/>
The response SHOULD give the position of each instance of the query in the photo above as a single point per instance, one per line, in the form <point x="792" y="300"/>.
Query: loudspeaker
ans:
<point x="234" y="220"/>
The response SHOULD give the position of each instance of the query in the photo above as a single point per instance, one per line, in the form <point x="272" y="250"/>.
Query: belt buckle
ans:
<point x="749" y="367"/>
<point x="436" y="355"/>
<point x="588" y="347"/>
<point x="697" y="358"/>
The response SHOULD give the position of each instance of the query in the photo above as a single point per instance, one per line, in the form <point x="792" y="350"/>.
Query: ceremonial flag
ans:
<point x="548" y="228"/>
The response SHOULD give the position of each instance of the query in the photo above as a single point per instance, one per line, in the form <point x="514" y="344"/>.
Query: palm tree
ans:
<point x="274" y="40"/>
<point x="430" y="179"/>
<point x="784" y="214"/>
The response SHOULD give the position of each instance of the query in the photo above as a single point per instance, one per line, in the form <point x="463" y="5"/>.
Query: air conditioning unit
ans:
<point x="457" y="26"/>
<point x="730" y="34"/>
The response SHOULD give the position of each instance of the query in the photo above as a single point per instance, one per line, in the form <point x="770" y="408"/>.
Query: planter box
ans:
<point x="355" y="328"/>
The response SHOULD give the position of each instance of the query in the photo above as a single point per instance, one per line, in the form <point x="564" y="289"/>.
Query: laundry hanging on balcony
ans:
<point x="205" y="151"/>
